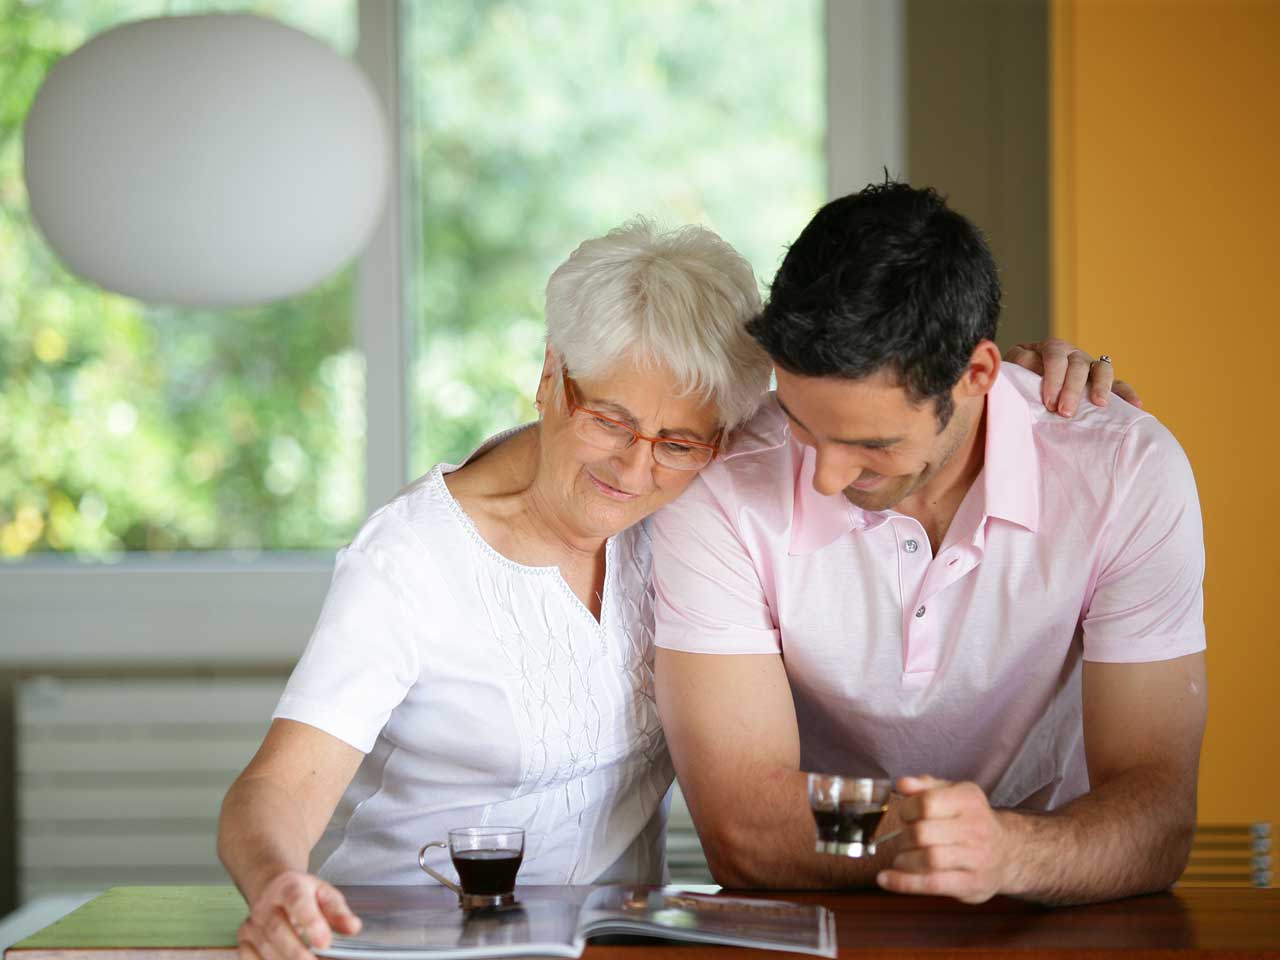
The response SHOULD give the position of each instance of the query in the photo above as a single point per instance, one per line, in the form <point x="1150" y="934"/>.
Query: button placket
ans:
<point x="915" y="560"/>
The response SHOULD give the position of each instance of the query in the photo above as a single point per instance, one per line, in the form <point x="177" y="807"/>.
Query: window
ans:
<point x="199" y="451"/>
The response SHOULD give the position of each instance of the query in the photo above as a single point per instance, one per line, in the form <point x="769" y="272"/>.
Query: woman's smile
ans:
<point x="608" y="490"/>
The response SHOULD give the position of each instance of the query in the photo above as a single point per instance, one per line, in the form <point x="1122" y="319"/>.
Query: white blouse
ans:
<point x="482" y="692"/>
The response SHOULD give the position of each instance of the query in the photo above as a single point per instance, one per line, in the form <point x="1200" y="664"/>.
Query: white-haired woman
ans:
<point x="484" y="653"/>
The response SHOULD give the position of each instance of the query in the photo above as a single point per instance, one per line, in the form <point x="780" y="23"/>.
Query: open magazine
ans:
<point x="548" y="923"/>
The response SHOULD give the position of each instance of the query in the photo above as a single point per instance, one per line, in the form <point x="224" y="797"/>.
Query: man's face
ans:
<point x="872" y="442"/>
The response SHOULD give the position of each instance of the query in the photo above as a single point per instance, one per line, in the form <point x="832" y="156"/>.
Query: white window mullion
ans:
<point x="866" y="93"/>
<point x="381" y="328"/>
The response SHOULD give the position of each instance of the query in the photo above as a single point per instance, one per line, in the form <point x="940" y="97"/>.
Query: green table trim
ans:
<point x="148" y="918"/>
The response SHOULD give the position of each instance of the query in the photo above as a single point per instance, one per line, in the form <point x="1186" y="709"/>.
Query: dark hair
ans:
<point x="886" y="278"/>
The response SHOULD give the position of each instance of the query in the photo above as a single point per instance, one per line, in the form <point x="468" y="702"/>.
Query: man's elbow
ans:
<point x="735" y="858"/>
<point x="1165" y="859"/>
<point x="1177" y="851"/>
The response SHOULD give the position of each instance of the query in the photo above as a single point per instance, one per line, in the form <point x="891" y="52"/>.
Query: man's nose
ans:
<point x="831" y="474"/>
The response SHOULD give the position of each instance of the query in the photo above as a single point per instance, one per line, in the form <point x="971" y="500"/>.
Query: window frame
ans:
<point x="213" y="609"/>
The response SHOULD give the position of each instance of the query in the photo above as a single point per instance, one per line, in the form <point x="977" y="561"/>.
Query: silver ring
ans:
<point x="1105" y="358"/>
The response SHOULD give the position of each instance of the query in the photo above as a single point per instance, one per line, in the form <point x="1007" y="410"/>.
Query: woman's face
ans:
<point x="605" y="491"/>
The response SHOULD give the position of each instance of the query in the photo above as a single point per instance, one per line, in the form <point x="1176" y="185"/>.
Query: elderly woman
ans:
<point x="484" y="653"/>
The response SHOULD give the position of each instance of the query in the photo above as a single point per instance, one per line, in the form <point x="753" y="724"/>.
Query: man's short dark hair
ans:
<point x="888" y="278"/>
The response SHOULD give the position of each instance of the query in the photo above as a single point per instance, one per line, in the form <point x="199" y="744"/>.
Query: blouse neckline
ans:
<point x="493" y="554"/>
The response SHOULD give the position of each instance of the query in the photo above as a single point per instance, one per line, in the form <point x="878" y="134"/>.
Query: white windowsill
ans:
<point x="187" y="610"/>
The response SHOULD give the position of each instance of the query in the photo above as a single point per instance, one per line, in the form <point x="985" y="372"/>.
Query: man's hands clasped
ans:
<point x="952" y="844"/>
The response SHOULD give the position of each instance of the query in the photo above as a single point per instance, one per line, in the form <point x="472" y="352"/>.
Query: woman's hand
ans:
<point x="293" y="912"/>
<point x="1068" y="371"/>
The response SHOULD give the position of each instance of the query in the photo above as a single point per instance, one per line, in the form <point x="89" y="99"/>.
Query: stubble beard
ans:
<point x="874" y="501"/>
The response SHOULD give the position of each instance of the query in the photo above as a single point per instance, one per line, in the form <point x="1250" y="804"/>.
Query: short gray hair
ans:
<point x="681" y="298"/>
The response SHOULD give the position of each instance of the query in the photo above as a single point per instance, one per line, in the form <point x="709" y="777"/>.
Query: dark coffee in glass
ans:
<point x="487" y="872"/>
<point x="852" y="824"/>
<point x="487" y="860"/>
<point x="847" y="811"/>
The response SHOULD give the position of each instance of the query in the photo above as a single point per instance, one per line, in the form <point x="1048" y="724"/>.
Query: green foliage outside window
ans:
<point x="535" y="124"/>
<point x="531" y="125"/>
<point x="127" y="427"/>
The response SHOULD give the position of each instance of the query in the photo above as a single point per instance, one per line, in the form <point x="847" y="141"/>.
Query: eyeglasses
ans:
<point x="607" y="433"/>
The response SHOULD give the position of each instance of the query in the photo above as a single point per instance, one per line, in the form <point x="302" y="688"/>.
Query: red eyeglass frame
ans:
<point x="571" y="401"/>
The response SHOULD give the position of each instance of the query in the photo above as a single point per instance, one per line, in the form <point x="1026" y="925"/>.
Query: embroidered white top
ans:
<point x="482" y="691"/>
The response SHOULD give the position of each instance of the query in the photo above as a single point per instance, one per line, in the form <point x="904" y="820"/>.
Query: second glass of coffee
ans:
<point x="487" y="860"/>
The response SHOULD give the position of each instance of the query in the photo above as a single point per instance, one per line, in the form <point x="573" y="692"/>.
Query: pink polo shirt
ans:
<point x="1079" y="540"/>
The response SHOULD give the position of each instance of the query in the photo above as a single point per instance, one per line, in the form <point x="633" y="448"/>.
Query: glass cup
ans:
<point x="487" y="860"/>
<point x="846" y="811"/>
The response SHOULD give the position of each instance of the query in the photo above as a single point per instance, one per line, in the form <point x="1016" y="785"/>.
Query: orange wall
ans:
<point x="1166" y="254"/>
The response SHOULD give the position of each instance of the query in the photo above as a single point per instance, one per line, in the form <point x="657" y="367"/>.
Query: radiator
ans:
<point x="1230" y="854"/>
<point x="119" y="781"/>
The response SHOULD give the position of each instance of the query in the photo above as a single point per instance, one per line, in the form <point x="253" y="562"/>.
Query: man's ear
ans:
<point x="980" y="376"/>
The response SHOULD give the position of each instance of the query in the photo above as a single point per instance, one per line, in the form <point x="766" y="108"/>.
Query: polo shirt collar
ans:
<point x="1009" y="478"/>
<point x="816" y="519"/>
<point x="1011" y="467"/>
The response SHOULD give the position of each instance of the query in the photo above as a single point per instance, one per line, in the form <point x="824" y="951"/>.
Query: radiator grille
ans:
<point x="120" y="781"/>
<point x="1230" y="854"/>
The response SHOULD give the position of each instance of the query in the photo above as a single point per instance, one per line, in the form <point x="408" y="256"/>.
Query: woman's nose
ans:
<point x="634" y="466"/>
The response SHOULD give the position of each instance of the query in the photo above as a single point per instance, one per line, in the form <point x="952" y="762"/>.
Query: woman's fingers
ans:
<point x="1101" y="377"/>
<point x="1054" y="356"/>
<point x="259" y="938"/>
<point x="1080" y="371"/>
<point x="1067" y="373"/>
<point x="1125" y="392"/>
<point x="302" y="909"/>
<point x="1024" y="355"/>
<point x="244" y="942"/>
<point x="284" y="939"/>
<point x="334" y="907"/>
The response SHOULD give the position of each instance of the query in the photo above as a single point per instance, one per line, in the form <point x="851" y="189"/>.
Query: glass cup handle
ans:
<point x="422" y="862"/>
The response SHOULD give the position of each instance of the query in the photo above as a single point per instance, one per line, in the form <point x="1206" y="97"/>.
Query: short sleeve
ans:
<point x="708" y="597"/>
<point x="1147" y="602"/>
<point x="362" y="658"/>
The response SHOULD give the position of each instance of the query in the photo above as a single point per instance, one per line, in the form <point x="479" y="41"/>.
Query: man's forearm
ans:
<point x="1131" y="835"/>
<point x="768" y="843"/>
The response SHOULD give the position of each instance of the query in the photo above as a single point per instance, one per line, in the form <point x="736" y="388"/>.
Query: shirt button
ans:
<point x="911" y="546"/>
<point x="920" y="612"/>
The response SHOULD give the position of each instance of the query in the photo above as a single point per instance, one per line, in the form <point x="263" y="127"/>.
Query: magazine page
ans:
<point x="678" y="913"/>
<point x="534" y="926"/>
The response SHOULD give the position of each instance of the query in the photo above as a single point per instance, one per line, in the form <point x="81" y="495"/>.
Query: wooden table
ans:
<point x="199" y="923"/>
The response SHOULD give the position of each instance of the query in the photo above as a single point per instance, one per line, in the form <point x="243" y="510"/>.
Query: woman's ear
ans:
<point x="546" y="382"/>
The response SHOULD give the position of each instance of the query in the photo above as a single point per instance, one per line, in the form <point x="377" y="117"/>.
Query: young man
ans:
<point x="907" y="567"/>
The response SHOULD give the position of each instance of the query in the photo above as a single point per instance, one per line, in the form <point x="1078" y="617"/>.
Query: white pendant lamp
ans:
<point x="207" y="161"/>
